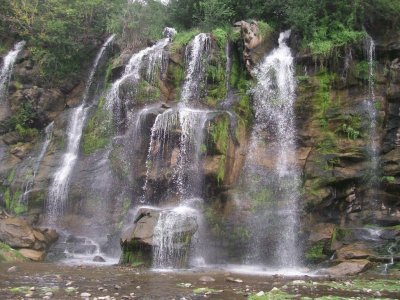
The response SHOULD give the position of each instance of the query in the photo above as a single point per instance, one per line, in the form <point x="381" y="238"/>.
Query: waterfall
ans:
<point x="7" y="68"/>
<point x="171" y="239"/>
<point x="228" y="66"/>
<point x="5" y="76"/>
<point x="272" y="145"/>
<point x="196" y="55"/>
<point x="58" y="191"/>
<point x="155" y="60"/>
<point x="191" y="124"/>
<point x="29" y="184"/>
<point x="189" y="174"/>
<point x="372" y="121"/>
<point x="172" y="236"/>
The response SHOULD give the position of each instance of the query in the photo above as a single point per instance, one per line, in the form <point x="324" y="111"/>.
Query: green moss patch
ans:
<point x="98" y="131"/>
<point x="8" y="254"/>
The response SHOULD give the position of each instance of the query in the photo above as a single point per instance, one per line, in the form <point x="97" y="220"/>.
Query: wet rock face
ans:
<point x="339" y="182"/>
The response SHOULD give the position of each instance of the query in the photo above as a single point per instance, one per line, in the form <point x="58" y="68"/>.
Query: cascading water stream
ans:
<point x="7" y="68"/>
<point x="5" y="76"/>
<point x="58" y="191"/>
<point x="191" y="125"/>
<point x="29" y="184"/>
<point x="372" y="121"/>
<point x="155" y="57"/>
<point x="274" y="225"/>
<point x="188" y="177"/>
<point x="171" y="234"/>
<point x="196" y="56"/>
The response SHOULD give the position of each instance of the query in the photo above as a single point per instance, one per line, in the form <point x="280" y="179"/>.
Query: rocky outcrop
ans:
<point x="353" y="251"/>
<point x="142" y="229"/>
<point x="348" y="268"/>
<point x="256" y="43"/>
<point x="32" y="242"/>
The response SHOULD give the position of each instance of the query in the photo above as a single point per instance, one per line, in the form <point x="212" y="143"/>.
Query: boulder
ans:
<point x="353" y="251"/>
<point x="143" y="227"/>
<point x="322" y="232"/>
<point x="34" y="255"/>
<point x="21" y="150"/>
<point x="17" y="233"/>
<point x="98" y="258"/>
<point x="351" y="267"/>
<point x="255" y="44"/>
<point x="11" y="138"/>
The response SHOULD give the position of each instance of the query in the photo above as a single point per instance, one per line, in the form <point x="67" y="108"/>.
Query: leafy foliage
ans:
<point x="60" y="33"/>
<point x="138" y="22"/>
<point x="63" y="33"/>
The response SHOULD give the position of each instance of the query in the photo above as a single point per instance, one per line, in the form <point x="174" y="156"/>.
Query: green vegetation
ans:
<point x="350" y="131"/>
<point x="12" y="201"/>
<point x="63" y="33"/>
<point x="23" y="120"/>
<point x="137" y="22"/>
<point x="220" y="136"/>
<point x="324" y="26"/>
<point x="8" y="254"/>
<point x="388" y="179"/>
<point x="20" y="289"/>
<point x="60" y="33"/>
<point x="265" y="29"/>
<point x="183" y="38"/>
<point x="98" y="130"/>
<point x="323" y="98"/>
<point x="315" y="253"/>
<point x="275" y="294"/>
<point x="146" y="93"/>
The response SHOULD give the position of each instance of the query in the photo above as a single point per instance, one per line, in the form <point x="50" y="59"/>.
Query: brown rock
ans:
<point x="206" y="278"/>
<point x="16" y="233"/>
<point x="211" y="164"/>
<point x="51" y="235"/>
<point x="21" y="150"/>
<point x="39" y="236"/>
<point x="12" y="138"/>
<point x="32" y="254"/>
<point x="322" y="231"/>
<point x="255" y="45"/>
<point x="143" y="228"/>
<point x="357" y="250"/>
<point x="351" y="267"/>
